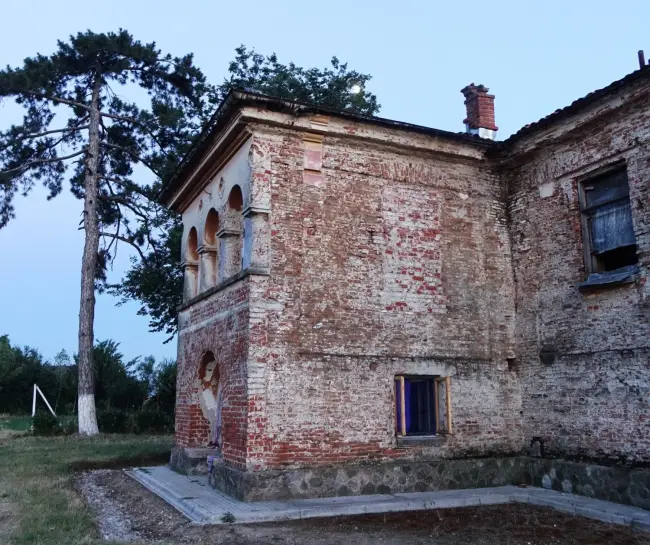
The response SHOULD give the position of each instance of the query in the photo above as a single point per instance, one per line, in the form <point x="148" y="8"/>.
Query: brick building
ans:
<point x="364" y="295"/>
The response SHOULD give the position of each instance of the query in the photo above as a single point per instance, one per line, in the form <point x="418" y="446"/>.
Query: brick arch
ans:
<point x="225" y="340"/>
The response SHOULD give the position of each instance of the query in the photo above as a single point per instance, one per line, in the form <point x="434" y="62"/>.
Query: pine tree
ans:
<point x="76" y="127"/>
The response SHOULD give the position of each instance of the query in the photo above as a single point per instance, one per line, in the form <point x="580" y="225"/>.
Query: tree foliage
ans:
<point x="141" y="384"/>
<point x="334" y="87"/>
<point x="20" y="369"/>
<point x="156" y="281"/>
<point x="179" y="100"/>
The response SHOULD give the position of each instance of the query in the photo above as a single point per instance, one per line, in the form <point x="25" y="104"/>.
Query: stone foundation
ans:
<point x="619" y="484"/>
<point x="356" y="480"/>
<point x="190" y="461"/>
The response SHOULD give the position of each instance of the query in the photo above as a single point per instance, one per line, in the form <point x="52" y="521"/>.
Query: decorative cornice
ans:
<point x="207" y="249"/>
<point x="255" y="210"/>
<point x="223" y="285"/>
<point x="228" y="232"/>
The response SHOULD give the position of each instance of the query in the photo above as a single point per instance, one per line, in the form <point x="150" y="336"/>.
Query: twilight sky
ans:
<point x="534" y="56"/>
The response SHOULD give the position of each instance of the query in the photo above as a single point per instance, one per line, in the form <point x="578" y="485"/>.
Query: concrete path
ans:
<point x="202" y="504"/>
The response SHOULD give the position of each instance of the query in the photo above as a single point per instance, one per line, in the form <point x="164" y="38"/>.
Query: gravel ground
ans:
<point x="112" y="519"/>
<point x="127" y="511"/>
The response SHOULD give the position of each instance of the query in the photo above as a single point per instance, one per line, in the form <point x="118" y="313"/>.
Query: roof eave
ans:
<point x="237" y="99"/>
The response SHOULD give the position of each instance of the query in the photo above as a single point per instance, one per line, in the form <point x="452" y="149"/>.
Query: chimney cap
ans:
<point x="472" y="90"/>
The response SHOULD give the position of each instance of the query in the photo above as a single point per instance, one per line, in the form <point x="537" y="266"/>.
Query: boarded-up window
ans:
<point x="608" y="231"/>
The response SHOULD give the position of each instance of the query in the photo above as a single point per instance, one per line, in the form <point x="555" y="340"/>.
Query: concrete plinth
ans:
<point x="204" y="505"/>
<point x="191" y="461"/>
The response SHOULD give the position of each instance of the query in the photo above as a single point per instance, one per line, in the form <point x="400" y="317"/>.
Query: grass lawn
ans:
<point x="15" y="423"/>
<point x="37" y="503"/>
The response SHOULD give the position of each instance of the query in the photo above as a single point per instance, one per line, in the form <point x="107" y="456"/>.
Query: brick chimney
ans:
<point x="480" y="111"/>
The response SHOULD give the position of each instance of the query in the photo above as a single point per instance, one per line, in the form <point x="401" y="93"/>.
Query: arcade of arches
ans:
<point x="220" y="254"/>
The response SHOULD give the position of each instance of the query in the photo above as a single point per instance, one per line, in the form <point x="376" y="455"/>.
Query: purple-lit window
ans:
<point x="415" y="405"/>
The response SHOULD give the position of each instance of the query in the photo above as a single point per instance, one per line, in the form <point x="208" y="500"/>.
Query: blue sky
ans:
<point x="534" y="56"/>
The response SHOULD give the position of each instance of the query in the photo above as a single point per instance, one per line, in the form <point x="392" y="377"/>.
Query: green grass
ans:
<point x="37" y="502"/>
<point x="15" y="423"/>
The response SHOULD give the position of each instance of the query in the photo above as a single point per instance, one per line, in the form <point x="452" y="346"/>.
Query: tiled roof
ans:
<point x="576" y="105"/>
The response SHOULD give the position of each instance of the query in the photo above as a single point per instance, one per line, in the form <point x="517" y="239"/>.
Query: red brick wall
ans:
<point x="384" y="263"/>
<point x="595" y="400"/>
<point x="218" y="324"/>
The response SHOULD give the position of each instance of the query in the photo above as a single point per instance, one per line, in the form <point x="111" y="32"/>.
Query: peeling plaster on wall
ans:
<point x="546" y="190"/>
<point x="206" y="388"/>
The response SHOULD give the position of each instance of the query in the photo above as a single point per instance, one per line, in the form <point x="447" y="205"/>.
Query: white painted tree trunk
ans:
<point x="87" y="414"/>
<point x="86" y="388"/>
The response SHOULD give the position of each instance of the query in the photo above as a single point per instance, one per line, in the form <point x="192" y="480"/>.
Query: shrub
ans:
<point x="45" y="423"/>
<point x="148" y="421"/>
<point x="114" y="421"/>
<point x="228" y="518"/>
<point x="145" y="421"/>
<point x="68" y="424"/>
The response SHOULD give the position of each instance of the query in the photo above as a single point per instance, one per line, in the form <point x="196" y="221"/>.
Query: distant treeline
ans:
<point x="133" y="386"/>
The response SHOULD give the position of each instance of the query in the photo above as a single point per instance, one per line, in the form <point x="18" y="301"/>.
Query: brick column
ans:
<point x="190" y="279"/>
<point x="208" y="270"/>
<point x="257" y="239"/>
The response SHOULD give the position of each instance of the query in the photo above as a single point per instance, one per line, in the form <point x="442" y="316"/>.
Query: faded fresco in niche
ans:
<point x="210" y="397"/>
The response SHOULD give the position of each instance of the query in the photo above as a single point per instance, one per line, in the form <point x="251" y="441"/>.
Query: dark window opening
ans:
<point x="618" y="257"/>
<point x="608" y="232"/>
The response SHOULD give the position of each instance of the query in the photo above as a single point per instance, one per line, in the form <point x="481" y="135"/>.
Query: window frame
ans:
<point x="441" y="427"/>
<point x="591" y="261"/>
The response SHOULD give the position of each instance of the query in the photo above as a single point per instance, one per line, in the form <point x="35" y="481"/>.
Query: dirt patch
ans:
<point x="8" y="521"/>
<point x="143" y="515"/>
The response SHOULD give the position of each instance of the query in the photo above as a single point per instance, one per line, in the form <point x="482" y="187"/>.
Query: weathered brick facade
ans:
<point x="368" y="249"/>
<point x="594" y="399"/>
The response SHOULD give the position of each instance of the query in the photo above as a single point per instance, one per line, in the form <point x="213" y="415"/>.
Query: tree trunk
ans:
<point x="86" y="389"/>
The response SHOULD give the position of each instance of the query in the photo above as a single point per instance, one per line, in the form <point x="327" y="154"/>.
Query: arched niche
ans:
<point x="232" y="241"/>
<point x="210" y="393"/>
<point x="211" y="228"/>
<point x="190" y="280"/>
